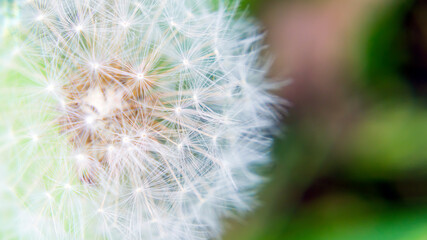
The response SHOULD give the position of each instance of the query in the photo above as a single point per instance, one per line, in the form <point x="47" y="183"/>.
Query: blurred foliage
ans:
<point x="390" y="142"/>
<point x="341" y="217"/>
<point x="371" y="182"/>
<point x="386" y="51"/>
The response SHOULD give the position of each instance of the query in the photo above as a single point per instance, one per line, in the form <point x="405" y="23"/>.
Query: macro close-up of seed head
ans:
<point x="130" y="119"/>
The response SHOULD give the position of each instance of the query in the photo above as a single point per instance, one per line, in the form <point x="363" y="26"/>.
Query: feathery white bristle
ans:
<point x="130" y="119"/>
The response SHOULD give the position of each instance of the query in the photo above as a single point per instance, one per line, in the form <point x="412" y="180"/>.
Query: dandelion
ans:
<point x="130" y="119"/>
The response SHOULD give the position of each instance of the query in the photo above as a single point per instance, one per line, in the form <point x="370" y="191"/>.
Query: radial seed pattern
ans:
<point x="129" y="119"/>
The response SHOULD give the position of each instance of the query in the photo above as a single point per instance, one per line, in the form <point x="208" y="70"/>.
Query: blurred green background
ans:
<point x="351" y="162"/>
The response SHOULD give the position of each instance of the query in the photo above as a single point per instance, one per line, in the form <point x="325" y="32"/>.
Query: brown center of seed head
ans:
<point x="103" y="109"/>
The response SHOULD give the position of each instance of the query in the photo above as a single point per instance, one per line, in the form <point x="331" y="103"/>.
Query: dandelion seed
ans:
<point x="40" y="18"/>
<point x="90" y="120"/>
<point x="126" y="140"/>
<point x="111" y="148"/>
<point x="95" y="65"/>
<point x="140" y="76"/>
<point x="78" y="28"/>
<point x="80" y="158"/>
<point x="35" y="138"/>
<point x="125" y="24"/>
<point x="190" y="15"/>
<point x="178" y="110"/>
<point x="185" y="62"/>
<point x="143" y="134"/>
<point x="179" y="146"/>
<point x="50" y="87"/>
<point x="48" y="196"/>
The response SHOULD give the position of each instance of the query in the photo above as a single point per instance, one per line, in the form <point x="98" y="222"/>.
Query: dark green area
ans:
<point x="387" y="52"/>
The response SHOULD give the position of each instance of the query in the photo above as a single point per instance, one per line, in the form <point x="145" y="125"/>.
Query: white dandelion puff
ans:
<point x="130" y="119"/>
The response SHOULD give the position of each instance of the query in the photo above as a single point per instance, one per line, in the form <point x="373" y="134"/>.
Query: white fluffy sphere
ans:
<point x="130" y="119"/>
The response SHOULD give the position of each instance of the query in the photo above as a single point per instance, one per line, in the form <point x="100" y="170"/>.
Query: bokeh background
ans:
<point x="351" y="161"/>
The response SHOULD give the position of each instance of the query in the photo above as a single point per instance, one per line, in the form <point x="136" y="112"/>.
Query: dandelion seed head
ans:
<point x="148" y="131"/>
